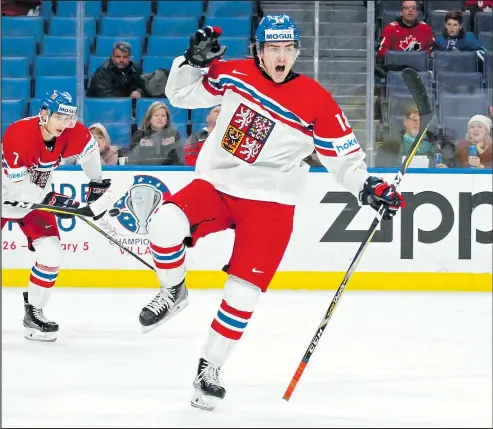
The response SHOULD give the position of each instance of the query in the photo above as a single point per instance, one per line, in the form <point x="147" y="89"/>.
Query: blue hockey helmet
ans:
<point x="277" y="28"/>
<point x="59" y="102"/>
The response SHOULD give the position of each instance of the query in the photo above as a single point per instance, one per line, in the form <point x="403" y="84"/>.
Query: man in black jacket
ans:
<point x="117" y="76"/>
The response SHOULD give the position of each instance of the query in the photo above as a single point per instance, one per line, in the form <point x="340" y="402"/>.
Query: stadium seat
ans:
<point x="15" y="66"/>
<point x="416" y="59"/>
<point x="199" y="115"/>
<point x="230" y="8"/>
<point x="94" y="62"/>
<point x="436" y="20"/>
<point x="123" y="26"/>
<point x="455" y="128"/>
<point x="174" y="27"/>
<point x="128" y="8"/>
<point x="4" y="127"/>
<point x="398" y="103"/>
<point x="46" y="9"/>
<point x="488" y="73"/>
<point x="13" y="110"/>
<point x="177" y="115"/>
<point x="396" y="84"/>
<point x="167" y="46"/>
<point x="23" y="26"/>
<point x="69" y="8"/>
<point x="119" y="133"/>
<point x="151" y="63"/>
<point x="64" y="46"/>
<point x="237" y="47"/>
<point x="462" y="105"/>
<point x="396" y="124"/>
<point x="104" y="45"/>
<point x="19" y="47"/>
<point x="67" y="27"/>
<point x="16" y="88"/>
<point x="455" y="61"/>
<point x="45" y="85"/>
<point x="483" y="22"/>
<point x="446" y="5"/>
<point x="232" y="27"/>
<point x="34" y="106"/>
<point x="180" y="8"/>
<point x="486" y="38"/>
<point x="47" y="65"/>
<point x="108" y="110"/>
<point x="464" y="83"/>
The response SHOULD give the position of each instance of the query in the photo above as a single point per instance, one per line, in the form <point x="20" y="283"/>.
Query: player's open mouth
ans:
<point x="59" y="131"/>
<point x="280" y="69"/>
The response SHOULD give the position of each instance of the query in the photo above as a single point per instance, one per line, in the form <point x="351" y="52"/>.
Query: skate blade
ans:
<point x="181" y="306"/>
<point x="204" y="402"/>
<point x="35" y="335"/>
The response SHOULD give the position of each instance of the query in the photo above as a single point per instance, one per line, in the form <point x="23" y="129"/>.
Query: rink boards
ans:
<point x="441" y="241"/>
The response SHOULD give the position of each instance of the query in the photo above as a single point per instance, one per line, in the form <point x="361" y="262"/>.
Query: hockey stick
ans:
<point x="418" y="92"/>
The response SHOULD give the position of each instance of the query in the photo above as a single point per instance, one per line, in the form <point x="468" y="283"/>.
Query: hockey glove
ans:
<point x="96" y="190"/>
<point x="204" y="47"/>
<point x="377" y="192"/>
<point x="59" y="200"/>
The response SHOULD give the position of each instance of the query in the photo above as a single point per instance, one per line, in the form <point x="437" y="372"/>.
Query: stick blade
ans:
<point x="418" y="91"/>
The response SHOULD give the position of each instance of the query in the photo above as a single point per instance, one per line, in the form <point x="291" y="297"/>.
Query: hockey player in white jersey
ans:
<point x="249" y="176"/>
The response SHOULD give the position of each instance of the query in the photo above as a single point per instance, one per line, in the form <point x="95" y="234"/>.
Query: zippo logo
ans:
<point x="347" y="146"/>
<point x="279" y="34"/>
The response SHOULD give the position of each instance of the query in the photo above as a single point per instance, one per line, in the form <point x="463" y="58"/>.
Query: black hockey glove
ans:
<point x="95" y="191"/>
<point x="204" y="47"/>
<point x="377" y="192"/>
<point x="59" y="200"/>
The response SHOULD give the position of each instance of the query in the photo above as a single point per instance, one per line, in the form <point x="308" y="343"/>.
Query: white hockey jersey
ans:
<point x="265" y="130"/>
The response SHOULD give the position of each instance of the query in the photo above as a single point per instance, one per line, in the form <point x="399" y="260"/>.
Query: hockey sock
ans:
<point x="170" y="263"/>
<point x="41" y="283"/>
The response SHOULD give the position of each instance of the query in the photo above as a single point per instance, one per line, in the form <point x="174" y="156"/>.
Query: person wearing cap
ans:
<point x="478" y="134"/>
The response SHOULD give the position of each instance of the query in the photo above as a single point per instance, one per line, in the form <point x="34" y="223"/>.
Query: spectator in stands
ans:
<point x="407" y="33"/>
<point x="474" y="6"/>
<point x="118" y="76"/>
<point x="479" y="135"/>
<point x="156" y="142"/>
<point x="454" y="38"/>
<point x="430" y="144"/>
<point x="20" y="8"/>
<point x="196" y="139"/>
<point x="108" y="152"/>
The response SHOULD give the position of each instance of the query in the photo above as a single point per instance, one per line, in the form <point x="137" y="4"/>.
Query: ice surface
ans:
<point x="385" y="360"/>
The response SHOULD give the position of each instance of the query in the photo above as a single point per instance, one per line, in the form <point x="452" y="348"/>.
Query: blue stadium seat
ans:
<point x="108" y="110"/>
<point x="167" y="46"/>
<point x="461" y="105"/>
<point x="151" y="63"/>
<point x="104" y="45"/>
<point x="128" y="8"/>
<point x="237" y="47"/>
<point x="15" y="66"/>
<point x="177" y="115"/>
<point x="232" y="27"/>
<point x="23" y="26"/>
<point x="436" y="20"/>
<point x="4" y="127"/>
<point x="16" y="88"/>
<point x="47" y="65"/>
<point x="398" y="103"/>
<point x="166" y="26"/>
<point x="123" y="26"/>
<point x="13" y="110"/>
<point x="94" y="62"/>
<point x="69" y="8"/>
<point x="396" y="124"/>
<point x="64" y="46"/>
<point x="46" y="9"/>
<point x="488" y="73"/>
<point x="34" y="106"/>
<point x="199" y="115"/>
<point x="455" y="61"/>
<point x="19" y="47"/>
<point x="416" y="59"/>
<point x="464" y="83"/>
<point x="486" y="38"/>
<point x="483" y="22"/>
<point x="229" y="8"/>
<point x="443" y="5"/>
<point x="180" y="8"/>
<point x="45" y="85"/>
<point x="119" y="133"/>
<point x="67" y="27"/>
<point x="455" y="127"/>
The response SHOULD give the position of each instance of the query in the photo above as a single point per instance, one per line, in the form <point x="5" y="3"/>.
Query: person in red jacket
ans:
<point x="407" y="33"/>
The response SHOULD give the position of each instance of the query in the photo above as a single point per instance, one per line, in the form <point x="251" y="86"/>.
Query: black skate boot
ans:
<point x="207" y="384"/>
<point x="38" y="327"/>
<point x="166" y="304"/>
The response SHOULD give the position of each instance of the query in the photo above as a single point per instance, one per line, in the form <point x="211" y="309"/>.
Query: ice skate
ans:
<point x="166" y="304"/>
<point x="38" y="328"/>
<point x="208" y="388"/>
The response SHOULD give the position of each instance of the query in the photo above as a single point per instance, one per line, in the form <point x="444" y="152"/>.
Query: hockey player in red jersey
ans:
<point x="249" y="176"/>
<point x="31" y="149"/>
